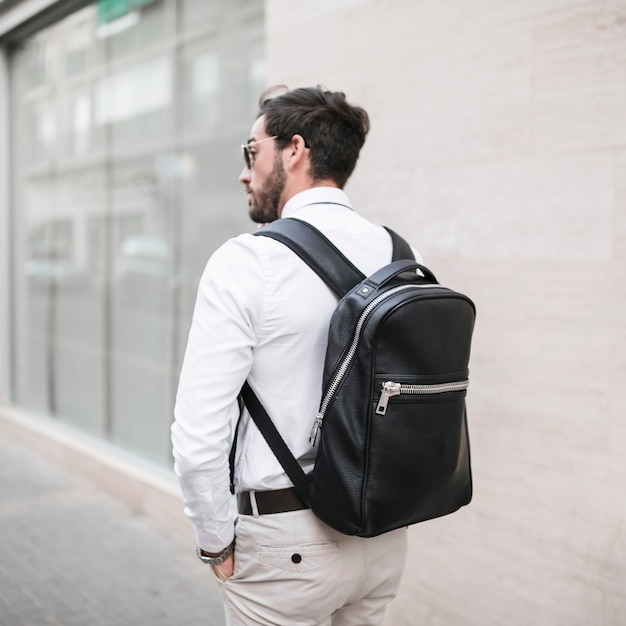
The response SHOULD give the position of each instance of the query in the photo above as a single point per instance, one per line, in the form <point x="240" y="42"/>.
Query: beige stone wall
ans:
<point x="498" y="146"/>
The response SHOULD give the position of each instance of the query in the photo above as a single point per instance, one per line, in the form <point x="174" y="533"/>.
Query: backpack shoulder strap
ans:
<point x="274" y="440"/>
<point x="401" y="249"/>
<point x="322" y="256"/>
<point x="316" y="250"/>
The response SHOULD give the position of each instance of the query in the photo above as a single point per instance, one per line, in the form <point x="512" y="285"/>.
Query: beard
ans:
<point x="264" y="203"/>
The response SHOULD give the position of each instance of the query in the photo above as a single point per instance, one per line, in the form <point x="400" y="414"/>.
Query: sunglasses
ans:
<point x="248" y="151"/>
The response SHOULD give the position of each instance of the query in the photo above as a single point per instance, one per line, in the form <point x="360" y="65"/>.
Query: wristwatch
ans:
<point x="216" y="560"/>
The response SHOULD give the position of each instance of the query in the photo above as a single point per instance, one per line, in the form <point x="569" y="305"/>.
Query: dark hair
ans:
<point x="332" y="129"/>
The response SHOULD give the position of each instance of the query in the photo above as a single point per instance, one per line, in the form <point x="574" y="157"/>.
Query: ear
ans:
<point x="296" y="154"/>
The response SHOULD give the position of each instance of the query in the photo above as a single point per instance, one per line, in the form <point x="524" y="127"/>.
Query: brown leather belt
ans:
<point x="268" y="502"/>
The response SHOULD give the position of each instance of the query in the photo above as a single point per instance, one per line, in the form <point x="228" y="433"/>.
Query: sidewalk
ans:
<point x="74" y="556"/>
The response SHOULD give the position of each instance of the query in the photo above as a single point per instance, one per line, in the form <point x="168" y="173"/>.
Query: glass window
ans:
<point x="128" y="121"/>
<point x="201" y="87"/>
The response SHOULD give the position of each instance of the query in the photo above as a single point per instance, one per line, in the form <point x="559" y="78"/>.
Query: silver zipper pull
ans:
<point x="317" y="424"/>
<point x="389" y="389"/>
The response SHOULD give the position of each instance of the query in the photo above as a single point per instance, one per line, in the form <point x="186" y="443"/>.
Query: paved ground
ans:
<point x="73" y="556"/>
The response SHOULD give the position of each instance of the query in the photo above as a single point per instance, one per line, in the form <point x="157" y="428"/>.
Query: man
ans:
<point x="262" y="315"/>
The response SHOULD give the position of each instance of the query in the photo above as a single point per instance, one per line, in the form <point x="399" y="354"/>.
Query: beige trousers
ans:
<point x="291" y="569"/>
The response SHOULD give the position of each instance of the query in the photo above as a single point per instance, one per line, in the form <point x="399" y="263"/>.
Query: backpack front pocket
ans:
<point x="418" y="455"/>
<point x="416" y="390"/>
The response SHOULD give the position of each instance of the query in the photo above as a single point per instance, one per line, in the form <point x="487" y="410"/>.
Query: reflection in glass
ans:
<point x="125" y="175"/>
<point x="81" y="123"/>
<point x="43" y="131"/>
<point x="78" y="41"/>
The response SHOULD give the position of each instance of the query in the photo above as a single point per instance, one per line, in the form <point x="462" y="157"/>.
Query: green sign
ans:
<point x="109" y="10"/>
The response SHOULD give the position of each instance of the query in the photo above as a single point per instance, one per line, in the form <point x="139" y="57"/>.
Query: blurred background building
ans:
<point x="498" y="146"/>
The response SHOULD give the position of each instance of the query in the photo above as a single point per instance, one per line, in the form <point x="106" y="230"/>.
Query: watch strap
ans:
<point x="216" y="560"/>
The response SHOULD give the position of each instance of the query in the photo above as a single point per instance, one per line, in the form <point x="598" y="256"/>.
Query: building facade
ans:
<point x="498" y="147"/>
<point x="125" y="120"/>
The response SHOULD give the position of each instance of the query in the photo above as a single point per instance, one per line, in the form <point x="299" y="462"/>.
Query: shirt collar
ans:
<point x="315" y="195"/>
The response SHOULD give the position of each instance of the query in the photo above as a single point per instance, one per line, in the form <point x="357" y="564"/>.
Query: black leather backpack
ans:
<point x="391" y="431"/>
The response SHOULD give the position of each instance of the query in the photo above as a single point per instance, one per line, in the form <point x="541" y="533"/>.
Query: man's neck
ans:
<point x="308" y="184"/>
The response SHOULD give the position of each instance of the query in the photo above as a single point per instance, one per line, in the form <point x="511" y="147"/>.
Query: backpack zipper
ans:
<point x="345" y="364"/>
<point x="391" y="389"/>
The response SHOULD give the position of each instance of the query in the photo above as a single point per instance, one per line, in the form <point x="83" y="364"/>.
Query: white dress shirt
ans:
<point x="261" y="314"/>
